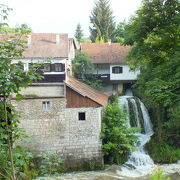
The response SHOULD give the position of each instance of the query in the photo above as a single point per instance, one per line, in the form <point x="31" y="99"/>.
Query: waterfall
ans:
<point x="139" y="162"/>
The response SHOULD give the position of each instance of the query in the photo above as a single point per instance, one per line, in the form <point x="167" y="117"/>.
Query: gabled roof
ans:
<point x="86" y="91"/>
<point x="44" y="45"/>
<point x="106" y="53"/>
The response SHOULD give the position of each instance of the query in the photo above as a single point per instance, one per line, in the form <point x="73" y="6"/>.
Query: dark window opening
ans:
<point x="82" y="116"/>
<point x="46" y="105"/>
<point x="117" y="70"/>
<point x="58" y="67"/>
<point x="47" y="67"/>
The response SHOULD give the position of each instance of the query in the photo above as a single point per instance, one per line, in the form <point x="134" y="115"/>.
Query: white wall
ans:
<point x="101" y="69"/>
<point x="71" y="56"/>
<point x="127" y="74"/>
<point x="44" y="90"/>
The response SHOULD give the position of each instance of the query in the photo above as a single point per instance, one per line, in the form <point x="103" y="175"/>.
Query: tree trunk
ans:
<point x="13" y="173"/>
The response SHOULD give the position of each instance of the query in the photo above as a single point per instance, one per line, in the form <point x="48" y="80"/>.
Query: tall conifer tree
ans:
<point x="102" y="21"/>
<point x="78" y="33"/>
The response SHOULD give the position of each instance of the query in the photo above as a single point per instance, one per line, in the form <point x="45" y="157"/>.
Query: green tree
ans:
<point x="81" y="65"/>
<point x="78" y="33"/>
<point x="23" y="28"/>
<point x="6" y="29"/>
<point x="118" y="139"/>
<point x="118" y="35"/>
<point x="102" y="21"/>
<point x="12" y="79"/>
<point x="154" y="34"/>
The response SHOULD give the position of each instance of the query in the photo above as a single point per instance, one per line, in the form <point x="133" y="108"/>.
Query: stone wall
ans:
<point x="84" y="135"/>
<point x="60" y="130"/>
<point x="47" y="129"/>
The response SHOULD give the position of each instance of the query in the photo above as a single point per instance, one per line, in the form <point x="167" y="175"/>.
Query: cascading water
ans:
<point x="139" y="162"/>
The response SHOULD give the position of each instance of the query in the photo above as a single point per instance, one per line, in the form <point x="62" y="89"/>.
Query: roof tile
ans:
<point x="44" y="45"/>
<point x="86" y="91"/>
<point x="106" y="53"/>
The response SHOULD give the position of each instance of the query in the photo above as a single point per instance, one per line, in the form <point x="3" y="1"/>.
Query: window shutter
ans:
<point x="63" y="67"/>
<point x="113" y="69"/>
<point x="53" y="67"/>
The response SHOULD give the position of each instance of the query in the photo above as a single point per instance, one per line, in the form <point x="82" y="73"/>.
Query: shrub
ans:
<point x="23" y="161"/>
<point x="158" y="175"/>
<point x="118" y="140"/>
<point x="163" y="152"/>
<point x="50" y="163"/>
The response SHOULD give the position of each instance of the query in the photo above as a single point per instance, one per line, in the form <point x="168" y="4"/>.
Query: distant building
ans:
<point x="110" y="65"/>
<point x="55" y="51"/>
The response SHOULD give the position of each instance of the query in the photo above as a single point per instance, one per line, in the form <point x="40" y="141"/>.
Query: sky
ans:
<point x="62" y="16"/>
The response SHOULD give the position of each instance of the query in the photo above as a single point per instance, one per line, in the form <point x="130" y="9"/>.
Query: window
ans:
<point x="47" y="67"/>
<point x="58" y="67"/>
<point x="117" y="70"/>
<point x="82" y="116"/>
<point x="46" y="105"/>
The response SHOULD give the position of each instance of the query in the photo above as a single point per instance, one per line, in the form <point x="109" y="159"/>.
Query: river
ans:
<point x="114" y="173"/>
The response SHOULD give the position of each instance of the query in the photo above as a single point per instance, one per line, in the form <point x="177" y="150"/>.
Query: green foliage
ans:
<point x="158" y="175"/>
<point x="27" y="166"/>
<point x="50" y="164"/>
<point x="82" y="68"/>
<point x="93" y="81"/>
<point x="6" y="29"/>
<point x="154" y="34"/>
<point x="23" y="28"/>
<point x="81" y="65"/>
<point x="4" y="10"/>
<point x="102" y="21"/>
<point x="163" y="152"/>
<point x="12" y="79"/>
<point x="78" y="33"/>
<point x="23" y="160"/>
<point x="172" y="125"/>
<point x="85" y="40"/>
<point x="118" y="35"/>
<point x="118" y="139"/>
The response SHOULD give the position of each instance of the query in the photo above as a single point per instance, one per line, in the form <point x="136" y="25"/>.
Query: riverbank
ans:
<point x="114" y="173"/>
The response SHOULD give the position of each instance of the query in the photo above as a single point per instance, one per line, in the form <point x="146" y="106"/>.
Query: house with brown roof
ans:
<point x="66" y="121"/>
<point x="110" y="65"/>
<point x="60" y="113"/>
<point x="56" y="51"/>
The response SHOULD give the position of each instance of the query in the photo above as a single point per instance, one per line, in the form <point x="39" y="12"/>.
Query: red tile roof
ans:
<point x="86" y="91"/>
<point x="44" y="45"/>
<point x="106" y="53"/>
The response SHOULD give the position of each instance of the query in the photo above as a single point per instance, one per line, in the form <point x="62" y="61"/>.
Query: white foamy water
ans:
<point x="139" y="162"/>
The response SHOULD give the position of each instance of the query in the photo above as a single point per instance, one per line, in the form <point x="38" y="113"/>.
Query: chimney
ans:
<point x="29" y="39"/>
<point x="57" y="38"/>
<point x="109" y="41"/>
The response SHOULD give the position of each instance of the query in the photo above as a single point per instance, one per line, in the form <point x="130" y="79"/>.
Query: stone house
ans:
<point x="64" y="118"/>
<point x="110" y="65"/>
<point x="60" y="113"/>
